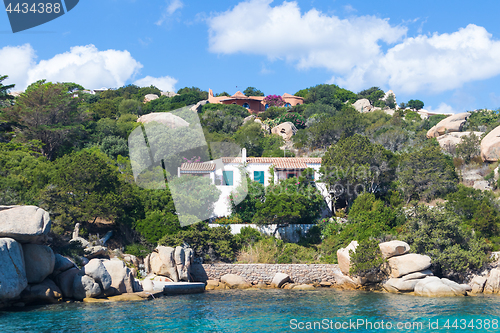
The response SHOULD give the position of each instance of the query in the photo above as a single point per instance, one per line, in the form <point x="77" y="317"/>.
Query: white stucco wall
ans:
<point x="289" y="233"/>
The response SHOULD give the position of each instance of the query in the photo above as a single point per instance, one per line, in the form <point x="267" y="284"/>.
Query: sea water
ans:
<point x="322" y="310"/>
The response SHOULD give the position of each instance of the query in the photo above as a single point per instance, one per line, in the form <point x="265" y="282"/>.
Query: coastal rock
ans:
<point x="39" y="262"/>
<point x="188" y="262"/>
<point x="165" y="118"/>
<point x="85" y="287"/>
<point x="344" y="282"/>
<point x="234" y="281"/>
<point x="363" y="105"/>
<point x="95" y="251"/>
<point x="162" y="262"/>
<point x="433" y="286"/>
<point x="180" y="262"/>
<point x="62" y="264"/>
<point x="279" y="279"/>
<point x="211" y="284"/>
<point x="130" y="258"/>
<point x="452" y="123"/>
<point x="12" y="273"/>
<point x="408" y="263"/>
<point x="45" y="292"/>
<point x="417" y="275"/>
<point x="65" y="281"/>
<point x="304" y="287"/>
<point x="400" y="285"/>
<point x="490" y="146"/>
<point x="25" y="224"/>
<point x="492" y="285"/>
<point x="477" y="284"/>
<point x="83" y="242"/>
<point x="393" y="248"/>
<point x="96" y="270"/>
<point x="344" y="258"/>
<point x="286" y="130"/>
<point x="147" y="285"/>
<point x="122" y="280"/>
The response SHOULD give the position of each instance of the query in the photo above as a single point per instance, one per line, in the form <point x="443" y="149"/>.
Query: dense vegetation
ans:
<point x="67" y="151"/>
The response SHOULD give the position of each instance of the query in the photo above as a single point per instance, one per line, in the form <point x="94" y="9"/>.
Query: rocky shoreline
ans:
<point x="33" y="274"/>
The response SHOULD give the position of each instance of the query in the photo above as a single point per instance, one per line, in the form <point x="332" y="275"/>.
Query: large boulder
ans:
<point x="65" y="281"/>
<point x="180" y="263"/>
<point x="363" y="105"/>
<point x="286" y="130"/>
<point x="234" y="281"/>
<point x="492" y="285"/>
<point x="393" y="248"/>
<point x="344" y="258"/>
<point x="477" y="284"/>
<point x="12" y="270"/>
<point x="45" y="292"/>
<point x="96" y="270"/>
<point x="165" y="118"/>
<point x="490" y="146"/>
<point x="452" y="123"/>
<point x="39" y="261"/>
<point x="122" y="280"/>
<point x="433" y="286"/>
<point x="408" y="263"/>
<point x="85" y="287"/>
<point x="279" y="279"/>
<point x="150" y="97"/>
<point x="406" y="283"/>
<point x="25" y="224"/>
<point x="449" y="141"/>
<point x="62" y="264"/>
<point x="162" y="262"/>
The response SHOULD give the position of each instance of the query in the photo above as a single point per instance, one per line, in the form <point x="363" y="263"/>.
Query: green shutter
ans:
<point x="228" y="178"/>
<point x="258" y="176"/>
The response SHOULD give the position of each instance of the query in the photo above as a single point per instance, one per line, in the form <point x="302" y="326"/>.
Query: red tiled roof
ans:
<point x="279" y="162"/>
<point x="206" y="166"/>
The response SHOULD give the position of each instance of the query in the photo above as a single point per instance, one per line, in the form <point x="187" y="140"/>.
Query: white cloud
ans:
<point x="351" y="49"/>
<point x="15" y="61"/>
<point x="172" y="7"/>
<point x="85" y="65"/>
<point x="312" y="39"/>
<point x="442" y="108"/>
<point x="164" y="83"/>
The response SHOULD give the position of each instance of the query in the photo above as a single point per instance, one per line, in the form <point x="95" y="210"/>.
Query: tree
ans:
<point x="390" y="101"/>
<point x="426" y="174"/>
<point x="469" y="147"/>
<point x="250" y="137"/>
<point x="252" y="91"/>
<point x="246" y="209"/>
<point x="130" y="106"/>
<point x="223" y="118"/>
<point x="46" y="112"/>
<point x="355" y="165"/>
<point x="373" y="94"/>
<point x="201" y="94"/>
<point x="5" y="98"/>
<point x="415" y="104"/>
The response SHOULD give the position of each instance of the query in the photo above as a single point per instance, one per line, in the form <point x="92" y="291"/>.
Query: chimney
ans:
<point x="244" y="155"/>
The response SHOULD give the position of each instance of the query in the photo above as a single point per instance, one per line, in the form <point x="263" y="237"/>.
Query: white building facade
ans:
<point x="226" y="173"/>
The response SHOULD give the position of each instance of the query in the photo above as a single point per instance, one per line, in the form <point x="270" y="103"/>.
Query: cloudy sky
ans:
<point x="445" y="53"/>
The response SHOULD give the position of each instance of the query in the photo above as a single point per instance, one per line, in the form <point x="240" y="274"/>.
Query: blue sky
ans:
<point x="445" y="53"/>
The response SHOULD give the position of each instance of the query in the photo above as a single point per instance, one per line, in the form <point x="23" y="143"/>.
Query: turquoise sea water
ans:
<point x="266" y="311"/>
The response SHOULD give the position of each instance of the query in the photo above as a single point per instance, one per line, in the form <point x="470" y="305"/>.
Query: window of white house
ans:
<point x="288" y="105"/>
<point x="228" y="178"/>
<point x="258" y="176"/>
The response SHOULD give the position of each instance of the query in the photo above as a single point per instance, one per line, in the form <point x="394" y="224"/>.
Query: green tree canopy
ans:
<point x="415" y="104"/>
<point x="252" y="91"/>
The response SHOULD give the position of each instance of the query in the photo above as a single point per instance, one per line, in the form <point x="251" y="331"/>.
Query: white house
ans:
<point x="226" y="175"/>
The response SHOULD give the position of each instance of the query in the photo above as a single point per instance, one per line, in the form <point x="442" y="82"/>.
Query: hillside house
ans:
<point x="254" y="104"/>
<point x="225" y="174"/>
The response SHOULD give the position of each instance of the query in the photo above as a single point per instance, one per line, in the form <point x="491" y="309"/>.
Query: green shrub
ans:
<point x="367" y="259"/>
<point x="247" y="236"/>
<point x="138" y="250"/>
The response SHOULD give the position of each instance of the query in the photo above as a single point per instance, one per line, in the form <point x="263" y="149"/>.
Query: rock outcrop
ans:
<point x="39" y="262"/>
<point x="165" y="118"/>
<point x="449" y="141"/>
<point x="234" y="281"/>
<point x="12" y="270"/>
<point x="150" y="97"/>
<point x="25" y="224"/>
<point x="490" y="146"/>
<point x="452" y="123"/>
<point x="162" y="262"/>
<point x="122" y="280"/>
<point x="97" y="271"/>
<point x="85" y="287"/>
<point x="363" y="105"/>
<point x="433" y="286"/>
<point x="279" y="279"/>
<point x="408" y="263"/>
<point x="286" y="130"/>
<point x="393" y="248"/>
<point x="344" y="258"/>
<point x="45" y="292"/>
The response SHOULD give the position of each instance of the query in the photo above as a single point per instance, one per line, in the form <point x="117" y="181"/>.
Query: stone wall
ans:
<point x="299" y="273"/>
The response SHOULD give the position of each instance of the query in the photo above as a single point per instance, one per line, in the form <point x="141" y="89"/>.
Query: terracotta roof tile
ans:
<point x="206" y="166"/>
<point x="279" y="162"/>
